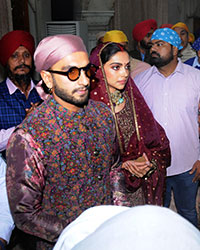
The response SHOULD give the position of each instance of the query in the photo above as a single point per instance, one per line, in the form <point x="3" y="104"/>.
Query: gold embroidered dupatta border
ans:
<point x="112" y="105"/>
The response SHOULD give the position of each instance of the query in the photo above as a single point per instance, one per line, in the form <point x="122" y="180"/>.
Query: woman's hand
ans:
<point x="138" y="167"/>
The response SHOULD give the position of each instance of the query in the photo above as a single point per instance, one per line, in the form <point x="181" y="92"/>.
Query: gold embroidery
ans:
<point x="126" y="122"/>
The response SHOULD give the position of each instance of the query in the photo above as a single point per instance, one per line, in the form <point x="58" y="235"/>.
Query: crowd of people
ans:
<point x="114" y="129"/>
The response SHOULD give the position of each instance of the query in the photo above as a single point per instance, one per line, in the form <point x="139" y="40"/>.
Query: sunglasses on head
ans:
<point x="74" y="73"/>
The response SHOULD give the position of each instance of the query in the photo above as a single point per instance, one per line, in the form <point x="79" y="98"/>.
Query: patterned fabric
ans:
<point x="168" y="35"/>
<point x="196" y="44"/>
<point x="153" y="141"/>
<point x="194" y="62"/>
<point x="125" y="119"/>
<point x="12" y="107"/>
<point x="123" y="196"/>
<point x="64" y="159"/>
<point x="190" y="61"/>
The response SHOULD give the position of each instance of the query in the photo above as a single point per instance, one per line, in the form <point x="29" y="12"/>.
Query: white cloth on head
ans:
<point x="143" y="227"/>
<point x="187" y="53"/>
<point x="86" y="224"/>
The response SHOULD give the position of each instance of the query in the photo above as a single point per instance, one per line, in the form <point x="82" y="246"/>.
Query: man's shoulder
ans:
<point x="4" y="93"/>
<point x="188" y="70"/>
<point x="144" y="75"/>
<point x="3" y="84"/>
<point x="99" y="108"/>
<point x="97" y="105"/>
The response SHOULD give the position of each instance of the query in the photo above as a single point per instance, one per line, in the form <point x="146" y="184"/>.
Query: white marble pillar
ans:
<point x="97" y="14"/>
<point x="97" y="21"/>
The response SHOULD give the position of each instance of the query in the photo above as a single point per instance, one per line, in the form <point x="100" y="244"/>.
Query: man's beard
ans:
<point x="159" y="61"/>
<point x="21" y="79"/>
<point x="144" y="45"/>
<point x="69" y="98"/>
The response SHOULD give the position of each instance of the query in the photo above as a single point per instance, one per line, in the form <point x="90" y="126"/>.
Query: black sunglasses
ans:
<point x="73" y="73"/>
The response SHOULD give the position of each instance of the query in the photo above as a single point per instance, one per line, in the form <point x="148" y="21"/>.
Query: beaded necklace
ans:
<point x="117" y="97"/>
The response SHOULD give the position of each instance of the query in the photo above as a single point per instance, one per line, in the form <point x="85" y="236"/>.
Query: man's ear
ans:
<point x="47" y="78"/>
<point x="175" y="51"/>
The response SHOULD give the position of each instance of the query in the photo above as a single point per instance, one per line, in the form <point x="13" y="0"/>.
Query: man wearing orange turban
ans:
<point x="142" y="33"/>
<point x="18" y="95"/>
<point x="186" y="38"/>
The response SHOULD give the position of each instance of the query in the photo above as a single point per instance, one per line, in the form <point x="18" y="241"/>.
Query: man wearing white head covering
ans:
<point x="86" y="224"/>
<point x="137" y="228"/>
<point x="172" y="91"/>
<point x="59" y="158"/>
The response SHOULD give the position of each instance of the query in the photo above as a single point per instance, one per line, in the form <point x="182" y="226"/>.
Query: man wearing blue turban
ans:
<point x="172" y="91"/>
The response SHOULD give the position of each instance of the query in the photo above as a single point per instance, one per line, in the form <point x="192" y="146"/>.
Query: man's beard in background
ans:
<point x="144" y="45"/>
<point x="21" y="79"/>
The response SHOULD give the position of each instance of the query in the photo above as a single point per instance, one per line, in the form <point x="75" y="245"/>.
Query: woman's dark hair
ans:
<point x="110" y="50"/>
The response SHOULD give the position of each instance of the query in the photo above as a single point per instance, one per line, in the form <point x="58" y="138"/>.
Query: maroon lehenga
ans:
<point x="138" y="133"/>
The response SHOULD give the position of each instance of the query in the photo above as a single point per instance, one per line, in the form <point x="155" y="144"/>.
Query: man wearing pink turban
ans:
<point x="59" y="158"/>
<point x="18" y="95"/>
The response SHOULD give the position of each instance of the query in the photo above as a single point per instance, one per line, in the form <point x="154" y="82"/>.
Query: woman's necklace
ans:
<point x="117" y="97"/>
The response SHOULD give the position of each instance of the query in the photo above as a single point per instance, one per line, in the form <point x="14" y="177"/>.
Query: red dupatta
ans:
<point x="150" y="137"/>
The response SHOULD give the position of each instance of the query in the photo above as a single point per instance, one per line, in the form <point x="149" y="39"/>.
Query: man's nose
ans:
<point x="83" y="79"/>
<point x="153" y="48"/>
<point x="21" y="59"/>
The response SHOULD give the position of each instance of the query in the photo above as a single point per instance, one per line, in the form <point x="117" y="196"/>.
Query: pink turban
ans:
<point x="12" y="40"/>
<point x="53" y="48"/>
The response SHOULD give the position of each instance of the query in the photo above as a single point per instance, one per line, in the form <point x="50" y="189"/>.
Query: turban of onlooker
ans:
<point x="196" y="44"/>
<point x="12" y="40"/>
<point x="166" y="25"/>
<point x="53" y="48"/>
<point x="185" y="27"/>
<point x="168" y="35"/>
<point x="116" y="36"/>
<point x="141" y="29"/>
<point x="100" y="35"/>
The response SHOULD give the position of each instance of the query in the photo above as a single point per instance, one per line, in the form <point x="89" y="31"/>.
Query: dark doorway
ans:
<point x="20" y="14"/>
<point x="62" y="10"/>
<point x="197" y="27"/>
